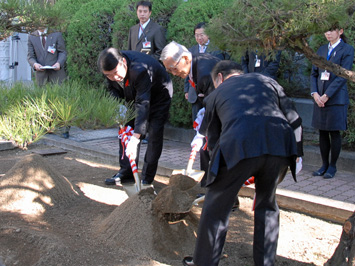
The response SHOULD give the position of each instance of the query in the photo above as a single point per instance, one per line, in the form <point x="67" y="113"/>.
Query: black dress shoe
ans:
<point x="188" y="261"/>
<point x="330" y="172"/>
<point x="236" y="204"/>
<point x="321" y="171"/>
<point x="118" y="179"/>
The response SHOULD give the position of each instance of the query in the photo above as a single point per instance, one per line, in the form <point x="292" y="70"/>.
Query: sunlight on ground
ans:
<point x="104" y="195"/>
<point x="92" y="164"/>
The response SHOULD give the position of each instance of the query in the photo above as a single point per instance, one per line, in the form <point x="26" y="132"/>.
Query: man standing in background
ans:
<point x="147" y="36"/>
<point x="203" y="46"/>
<point x="47" y="56"/>
<point x="260" y="63"/>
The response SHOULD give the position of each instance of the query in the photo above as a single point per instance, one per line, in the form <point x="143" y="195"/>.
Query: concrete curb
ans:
<point x="6" y="145"/>
<point x="328" y="209"/>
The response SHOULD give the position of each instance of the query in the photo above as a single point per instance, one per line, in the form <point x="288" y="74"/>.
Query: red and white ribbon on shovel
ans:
<point x="250" y="181"/>
<point x="125" y="134"/>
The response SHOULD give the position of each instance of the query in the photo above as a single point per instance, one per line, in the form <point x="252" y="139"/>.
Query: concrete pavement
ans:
<point x="332" y="199"/>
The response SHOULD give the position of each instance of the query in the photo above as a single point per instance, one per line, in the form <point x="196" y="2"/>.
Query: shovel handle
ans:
<point x="192" y="158"/>
<point x="135" y="174"/>
<point x="133" y="164"/>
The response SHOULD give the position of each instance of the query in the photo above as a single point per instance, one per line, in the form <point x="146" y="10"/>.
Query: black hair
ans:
<point x="108" y="59"/>
<point x="337" y="27"/>
<point x="226" y="68"/>
<point x="200" y="25"/>
<point x="144" y="3"/>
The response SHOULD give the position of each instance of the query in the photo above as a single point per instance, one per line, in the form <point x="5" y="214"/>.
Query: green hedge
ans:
<point x="89" y="32"/>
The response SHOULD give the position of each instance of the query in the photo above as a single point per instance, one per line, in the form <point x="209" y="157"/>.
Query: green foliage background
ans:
<point x="93" y="25"/>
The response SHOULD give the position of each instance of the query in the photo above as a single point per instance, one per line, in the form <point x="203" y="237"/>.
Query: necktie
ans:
<point x="140" y="30"/>
<point x="44" y="41"/>
<point x="202" y="49"/>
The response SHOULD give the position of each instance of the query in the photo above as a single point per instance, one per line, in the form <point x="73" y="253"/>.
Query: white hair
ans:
<point x="175" y="51"/>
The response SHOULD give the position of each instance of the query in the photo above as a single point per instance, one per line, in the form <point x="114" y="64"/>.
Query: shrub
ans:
<point x="88" y="34"/>
<point x="44" y="109"/>
<point x="27" y="121"/>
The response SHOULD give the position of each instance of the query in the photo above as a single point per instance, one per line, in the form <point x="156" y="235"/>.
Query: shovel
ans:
<point x="194" y="174"/>
<point x="137" y="185"/>
<point x="175" y="200"/>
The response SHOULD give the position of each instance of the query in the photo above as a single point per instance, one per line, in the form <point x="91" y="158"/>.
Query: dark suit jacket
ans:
<point x="147" y="84"/>
<point x="154" y="33"/>
<point x="192" y="95"/>
<point x="267" y="67"/>
<point x="249" y="116"/>
<point x="335" y="88"/>
<point x="36" y="54"/>
<point x="202" y="65"/>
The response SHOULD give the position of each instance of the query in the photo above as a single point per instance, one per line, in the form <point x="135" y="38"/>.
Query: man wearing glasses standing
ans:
<point x="137" y="77"/>
<point x="203" y="45"/>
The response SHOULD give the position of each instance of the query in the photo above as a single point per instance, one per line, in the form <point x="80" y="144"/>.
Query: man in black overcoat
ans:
<point x="253" y="129"/>
<point x="140" y="78"/>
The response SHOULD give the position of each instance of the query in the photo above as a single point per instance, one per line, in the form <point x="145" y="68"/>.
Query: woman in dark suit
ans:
<point x="331" y="100"/>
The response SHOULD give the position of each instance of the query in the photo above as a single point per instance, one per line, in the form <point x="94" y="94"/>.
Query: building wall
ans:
<point x="13" y="59"/>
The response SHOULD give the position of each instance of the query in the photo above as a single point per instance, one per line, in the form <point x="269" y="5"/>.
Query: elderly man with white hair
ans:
<point x="179" y="61"/>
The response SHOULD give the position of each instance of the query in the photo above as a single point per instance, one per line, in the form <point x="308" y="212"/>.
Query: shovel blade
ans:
<point x="130" y="189"/>
<point x="194" y="174"/>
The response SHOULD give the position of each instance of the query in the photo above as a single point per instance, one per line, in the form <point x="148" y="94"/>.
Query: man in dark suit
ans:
<point x="253" y="129"/>
<point x="147" y="36"/>
<point x="203" y="45"/>
<point x="180" y="62"/>
<point x="47" y="56"/>
<point x="257" y="62"/>
<point x="137" y="77"/>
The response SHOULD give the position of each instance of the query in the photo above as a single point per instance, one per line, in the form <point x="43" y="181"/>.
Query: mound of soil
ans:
<point x="140" y="230"/>
<point x="99" y="225"/>
<point x="32" y="185"/>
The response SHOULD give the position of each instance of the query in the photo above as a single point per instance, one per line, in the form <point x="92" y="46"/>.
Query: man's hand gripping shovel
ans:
<point x="125" y="113"/>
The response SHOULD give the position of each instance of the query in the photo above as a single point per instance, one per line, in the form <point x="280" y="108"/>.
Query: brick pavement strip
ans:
<point x="290" y="195"/>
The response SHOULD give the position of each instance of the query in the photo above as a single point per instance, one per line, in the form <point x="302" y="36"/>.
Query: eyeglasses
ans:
<point x="174" y="67"/>
<point x="200" y="35"/>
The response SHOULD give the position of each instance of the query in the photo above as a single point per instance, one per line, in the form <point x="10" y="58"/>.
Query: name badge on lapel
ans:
<point x="146" y="47"/>
<point x="325" y="75"/>
<point x="51" y="49"/>
<point x="257" y="63"/>
<point x="147" y="44"/>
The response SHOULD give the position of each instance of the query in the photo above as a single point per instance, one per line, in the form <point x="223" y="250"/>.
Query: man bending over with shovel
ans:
<point x="137" y="77"/>
<point x="253" y="129"/>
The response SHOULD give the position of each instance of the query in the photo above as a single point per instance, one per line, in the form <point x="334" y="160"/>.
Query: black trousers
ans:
<point x="204" y="162"/>
<point x="218" y="203"/>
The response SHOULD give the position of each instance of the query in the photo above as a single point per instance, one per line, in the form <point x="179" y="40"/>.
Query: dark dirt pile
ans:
<point x="177" y="197"/>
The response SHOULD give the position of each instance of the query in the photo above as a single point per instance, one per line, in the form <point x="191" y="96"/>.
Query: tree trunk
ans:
<point x="321" y="62"/>
<point x="344" y="254"/>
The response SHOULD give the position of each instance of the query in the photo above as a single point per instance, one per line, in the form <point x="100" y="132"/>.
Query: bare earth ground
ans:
<point x="56" y="210"/>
